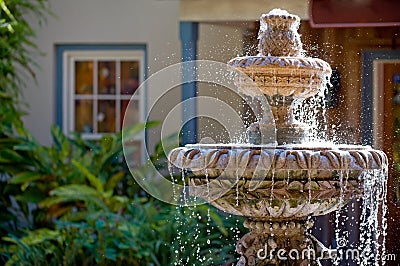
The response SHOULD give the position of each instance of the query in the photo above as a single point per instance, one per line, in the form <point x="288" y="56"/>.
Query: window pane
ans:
<point x="132" y="114"/>
<point x="106" y="116"/>
<point x="129" y="77"/>
<point x="106" y="77"/>
<point x="84" y="116"/>
<point x="83" y="77"/>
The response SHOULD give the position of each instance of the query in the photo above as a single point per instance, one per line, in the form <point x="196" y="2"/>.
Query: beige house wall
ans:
<point x="237" y="10"/>
<point x="151" y="22"/>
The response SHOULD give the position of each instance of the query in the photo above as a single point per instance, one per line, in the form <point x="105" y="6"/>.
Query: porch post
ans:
<point x="189" y="34"/>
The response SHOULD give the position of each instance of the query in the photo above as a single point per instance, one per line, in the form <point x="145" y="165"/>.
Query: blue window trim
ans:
<point x="367" y="79"/>
<point x="61" y="48"/>
<point x="189" y="34"/>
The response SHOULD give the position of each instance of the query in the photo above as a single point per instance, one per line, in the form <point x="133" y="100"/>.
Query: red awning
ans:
<point x="354" y="13"/>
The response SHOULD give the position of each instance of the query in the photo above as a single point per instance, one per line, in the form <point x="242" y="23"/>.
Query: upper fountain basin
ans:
<point x="298" y="77"/>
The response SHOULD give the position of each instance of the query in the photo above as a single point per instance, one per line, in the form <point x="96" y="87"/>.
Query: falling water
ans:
<point x="373" y="224"/>
<point x="189" y="208"/>
<point x="372" y="232"/>
<point x="309" y="217"/>
<point x="370" y="248"/>
<point x="209" y="227"/>
<point x="176" y="196"/>
<point x="341" y="238"/>
<point x="312" y="112"/>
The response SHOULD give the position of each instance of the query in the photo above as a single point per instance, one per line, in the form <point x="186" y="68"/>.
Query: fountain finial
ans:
<point x="282" y="74"/>
<point x="278" y="35"/>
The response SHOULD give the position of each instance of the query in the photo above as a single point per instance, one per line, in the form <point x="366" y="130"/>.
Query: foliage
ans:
<point x="145" y="235"/>
<point x="16" y="50"/>
<point x="74" y="172"/>
<point x="76" y="200"/>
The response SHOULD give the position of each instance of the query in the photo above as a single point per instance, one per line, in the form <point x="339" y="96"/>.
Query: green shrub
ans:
<point x="88" y="211"/>
<point x="75" y="203"/>
<point x="16" y="50"/>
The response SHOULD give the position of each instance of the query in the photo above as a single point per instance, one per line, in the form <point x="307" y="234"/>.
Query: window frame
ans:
<point x="67" y="55"/>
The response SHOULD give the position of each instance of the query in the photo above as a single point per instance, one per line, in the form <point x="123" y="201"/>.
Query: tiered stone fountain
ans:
<point x="278" y="185"/>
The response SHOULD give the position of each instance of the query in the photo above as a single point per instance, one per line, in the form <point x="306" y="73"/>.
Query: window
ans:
<point x="95" y="85"/>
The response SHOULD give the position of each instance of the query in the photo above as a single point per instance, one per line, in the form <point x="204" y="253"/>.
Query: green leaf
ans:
<point x="216" y="219"/>
<point x="7" y="11"/>
<point x="60" y="140"/>
<point x="26" y="146"/>
<point x="100" y="224"/>
<point x="31" y="195"/>
<point x="55" y="200"/>
<point x="34" y="237"/>
<point x="4" y="95"/>
<point x="77" y="216"/>
<point x="107" y="142"/>
<point x="40" y="235"/>
<point x="113" y="181"/>
<point x="74" y="192"/>
<point x="120" y="200"/>
<point x="93" y="180"/>
<point x="75" y="189"/>
<point x="111" y="254"/>
<point x="25" y="177"/>
<point x="10" y="156"/>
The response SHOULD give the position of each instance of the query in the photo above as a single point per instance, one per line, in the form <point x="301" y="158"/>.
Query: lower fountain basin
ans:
<point x="277" y="182"/>
<point x="276" y="201"/>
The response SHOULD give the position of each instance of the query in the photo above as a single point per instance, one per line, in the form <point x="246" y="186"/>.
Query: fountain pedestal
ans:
<point x="279" y="243"/>
<point x="285" y="128"/>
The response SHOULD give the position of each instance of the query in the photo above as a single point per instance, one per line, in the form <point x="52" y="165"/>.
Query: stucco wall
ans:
<point x="238" y="10"/>
<point x="219" y="42"/>
<point x="151" y="22"/>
